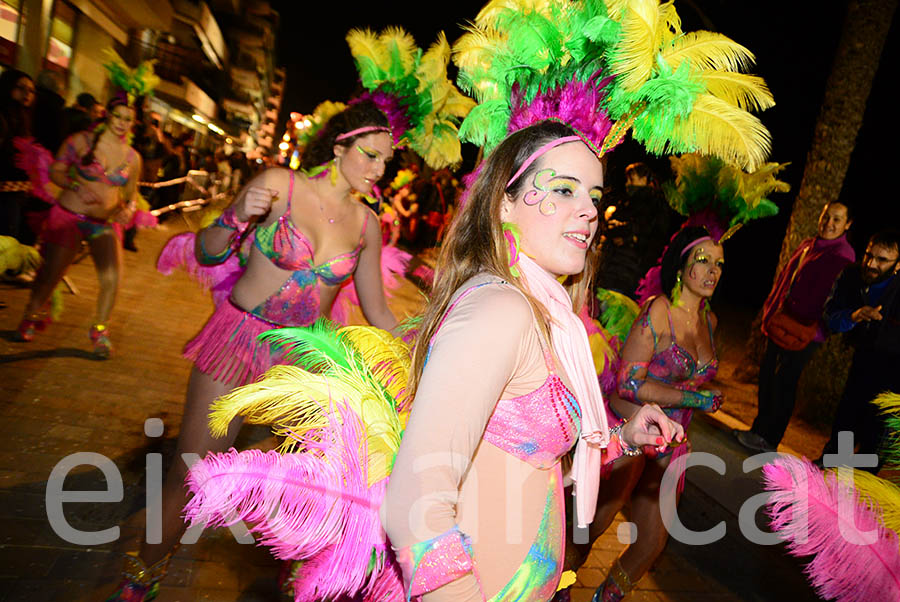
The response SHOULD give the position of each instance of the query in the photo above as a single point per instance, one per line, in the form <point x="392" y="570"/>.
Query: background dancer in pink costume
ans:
<point x="309" y="235"/>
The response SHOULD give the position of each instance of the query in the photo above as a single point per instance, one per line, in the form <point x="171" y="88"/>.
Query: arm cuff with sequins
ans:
<point x="431" y="564"/>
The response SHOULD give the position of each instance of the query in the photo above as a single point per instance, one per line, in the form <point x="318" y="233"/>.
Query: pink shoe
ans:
<point x="100" y="338"/>
<point x="28" y="326"/>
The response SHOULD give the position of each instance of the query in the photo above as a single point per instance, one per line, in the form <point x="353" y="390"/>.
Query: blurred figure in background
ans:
<point x="17" y="94"/>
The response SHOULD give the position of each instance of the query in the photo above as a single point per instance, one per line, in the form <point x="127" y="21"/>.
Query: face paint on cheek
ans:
<point x="692" y="270"/>
<point x="538" y="196"/>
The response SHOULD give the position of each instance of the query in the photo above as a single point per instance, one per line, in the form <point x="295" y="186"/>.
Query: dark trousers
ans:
<point x="871" y="373"/>
<point x="779" y="374"/>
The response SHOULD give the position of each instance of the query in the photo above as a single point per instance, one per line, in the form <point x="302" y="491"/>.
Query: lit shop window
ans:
<point x="9" y="28"/>
<point x="62" y="35"/>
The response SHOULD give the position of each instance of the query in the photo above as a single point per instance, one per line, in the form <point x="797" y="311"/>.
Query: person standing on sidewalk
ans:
<point x="865" y="303"/>
<point x="793" y="325"/>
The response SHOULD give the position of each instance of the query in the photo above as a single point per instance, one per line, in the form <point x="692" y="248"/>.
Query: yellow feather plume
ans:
<point x="365" y="43"/>
<point x="880" y="494"/>
<point x="888" y="402"/>
<point x="636" y="51"/>
<point x="749" y="92"/>
<point x="670" y="28"/>
<point x="457" y="104"/>
<point x="472" y="52"/>
<point x="387" y="358"/>
<point x="708" y="50"/>
<point x="718" y="128"/>
<point x="754" y="187"/>
<point x="433" y="66"/>
<point x="296" y="402"/>
<point x="489" y="12"/>
<point x="395" y="39"/>
<point x="284" y="396"/>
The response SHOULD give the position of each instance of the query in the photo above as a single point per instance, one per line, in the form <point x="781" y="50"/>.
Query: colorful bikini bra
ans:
<point x="675" y="366"/>
<point x="538" y="427"/>
<point x="297" y="302"/>
<point x="94" y="171"/>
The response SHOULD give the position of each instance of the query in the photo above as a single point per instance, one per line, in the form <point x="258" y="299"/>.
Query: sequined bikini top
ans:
<point x="675" y="366"/>
<point x="538" y="427"/>
<point x="289" y="249"/>
<point x="94" y="171"/>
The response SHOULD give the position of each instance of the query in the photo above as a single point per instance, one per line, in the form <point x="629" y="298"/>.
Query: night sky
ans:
<point x="794" y="43"/>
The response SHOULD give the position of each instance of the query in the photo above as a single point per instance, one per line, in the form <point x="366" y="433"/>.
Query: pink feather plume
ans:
<point x="389" y="105"/>
<point x="819" y="516"/>
<point x="576" y="104"/>
<point x="218" y="279"/>
<point x="313" y="506"/>
<point x="35" y="160"/>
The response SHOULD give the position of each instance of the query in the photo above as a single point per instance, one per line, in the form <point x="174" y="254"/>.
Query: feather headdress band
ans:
<point x="129" y="84"/>
<point x="423" y="106"/>
<point x="607" y="69"/>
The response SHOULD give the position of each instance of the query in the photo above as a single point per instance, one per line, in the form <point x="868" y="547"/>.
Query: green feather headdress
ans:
<point x="411" y="87"/>
<point x="128" y="82"/>
<point x="676" y="92"/>
<point x="708" y="188"/>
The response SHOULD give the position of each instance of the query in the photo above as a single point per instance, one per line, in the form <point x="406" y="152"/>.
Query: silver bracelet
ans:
<point x="627" y="450"/>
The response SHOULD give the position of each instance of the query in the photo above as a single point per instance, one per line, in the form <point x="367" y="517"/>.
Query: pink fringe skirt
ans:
<point x="227" y="349"/>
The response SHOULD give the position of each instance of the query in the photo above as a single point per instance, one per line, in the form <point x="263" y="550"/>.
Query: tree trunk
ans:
<point x="865" y="31"/>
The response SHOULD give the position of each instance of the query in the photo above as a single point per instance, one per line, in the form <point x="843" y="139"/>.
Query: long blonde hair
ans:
<point x="475" y="242"/>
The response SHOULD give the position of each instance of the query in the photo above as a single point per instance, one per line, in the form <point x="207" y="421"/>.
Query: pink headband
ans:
<point x="362" y="130"/>
<point x="534" y="156"/>
<point x="695" y="243"/>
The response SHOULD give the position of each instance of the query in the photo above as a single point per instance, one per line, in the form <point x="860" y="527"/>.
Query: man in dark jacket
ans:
<point x="865" y="304"/>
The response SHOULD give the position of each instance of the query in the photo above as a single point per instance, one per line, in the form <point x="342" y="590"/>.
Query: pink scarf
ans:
<point x="570" y="343"/>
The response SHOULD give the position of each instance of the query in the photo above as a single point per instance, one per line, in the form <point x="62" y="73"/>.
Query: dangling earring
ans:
<point x="512" y="234"/>
<point x="334" y="169"/>
<point x="676" y="290"/>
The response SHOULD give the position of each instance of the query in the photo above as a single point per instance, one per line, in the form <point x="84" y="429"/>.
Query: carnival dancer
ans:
<point x="503" y="365"/>
<point x="303" y="220"/>
<point x="98" y="173"/>
<point x="309" y="235"/>
<point x="669" y="357"/>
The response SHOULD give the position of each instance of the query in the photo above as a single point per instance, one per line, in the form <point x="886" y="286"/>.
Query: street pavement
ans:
<point x="56" y="399"/>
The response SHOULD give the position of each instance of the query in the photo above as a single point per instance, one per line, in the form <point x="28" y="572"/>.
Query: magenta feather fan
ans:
<point x="314" y="506"/>
<point x="855" y="558"/>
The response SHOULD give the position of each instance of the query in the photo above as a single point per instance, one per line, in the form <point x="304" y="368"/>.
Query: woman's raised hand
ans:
<point x="650" y="426"/>
<point x="256" y="202"/>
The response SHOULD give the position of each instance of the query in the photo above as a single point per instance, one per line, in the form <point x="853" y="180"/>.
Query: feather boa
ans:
<point x="855" y="558"/>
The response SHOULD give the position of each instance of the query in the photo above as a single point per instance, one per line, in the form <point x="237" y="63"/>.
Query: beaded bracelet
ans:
<point x="229" y="220"/>
<point x="627" y="450"/>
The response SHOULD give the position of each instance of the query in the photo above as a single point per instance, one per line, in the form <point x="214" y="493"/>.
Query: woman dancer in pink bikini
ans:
<point x="310" y="234"/>
<point x="668" y="359"/>
<point x="504" y="385"/>
<point x="98" y="173"/>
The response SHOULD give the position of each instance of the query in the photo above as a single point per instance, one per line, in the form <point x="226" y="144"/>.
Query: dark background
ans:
<point x="794" y="42"/>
